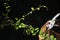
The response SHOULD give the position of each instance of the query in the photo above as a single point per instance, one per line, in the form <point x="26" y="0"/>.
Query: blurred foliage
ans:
<point x="7" y="6"/>
<point x="18" y="24"/>
<point x="46" y="36"/>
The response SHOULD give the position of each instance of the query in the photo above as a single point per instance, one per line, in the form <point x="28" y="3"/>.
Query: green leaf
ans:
<point x="52" y="37"/>
<point x="55" y="39"/>
<point x="28" y="32"/>
<point x="16" y="18"/>
<point x="40" y="32"/>
<point x="23" y="25"/>
<point x="18" y="22"/>
<point x="17" y="28"/>
<point x="32" y="8"/>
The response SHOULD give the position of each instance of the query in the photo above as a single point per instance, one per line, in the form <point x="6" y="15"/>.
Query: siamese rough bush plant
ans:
<point x="18" y="24"/>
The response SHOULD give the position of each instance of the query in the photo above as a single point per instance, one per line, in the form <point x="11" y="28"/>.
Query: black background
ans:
<point x="37" y="19"/>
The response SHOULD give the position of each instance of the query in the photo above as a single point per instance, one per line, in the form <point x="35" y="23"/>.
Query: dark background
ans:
<point x="37" y="19"/>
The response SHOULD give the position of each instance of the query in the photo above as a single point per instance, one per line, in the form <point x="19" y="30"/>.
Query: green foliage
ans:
<point x="29" y="29"/>
<point x="40" y="32"/>
<point x="46" y="36"/>
<point x="32" y="30"/>
<point x="7" y="6"/>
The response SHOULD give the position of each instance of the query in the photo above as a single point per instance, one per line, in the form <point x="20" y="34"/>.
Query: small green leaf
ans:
<point x="23" y="25"/>
<point x="38" y="8"/>
<point x="18" y="22"/>
<point x="28" y="31"/>
<point x="55" y="39"/>
<point x="32" y="9"/>
<point x="7" y="7"/>
<point x="22" y="18"/>
<point x="16" y="18"/>
<point x="43" y="35"/>
<point x="17" y="28"/>
<point x="52" y="37"/>
<point x="40" y="32"/>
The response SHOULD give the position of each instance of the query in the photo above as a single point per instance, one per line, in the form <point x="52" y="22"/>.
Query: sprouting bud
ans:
<point x="34" y="34"/>
<point x="22" y="25"/>
<point x="19" y="26"/>
<point x="32" y="9"/>
<point x="16" y="18"/>
<point x="38" y="8"/>
<point x="23" y="16"/>
<point x="7" y="7"/>
<point x="44" y="6"/>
